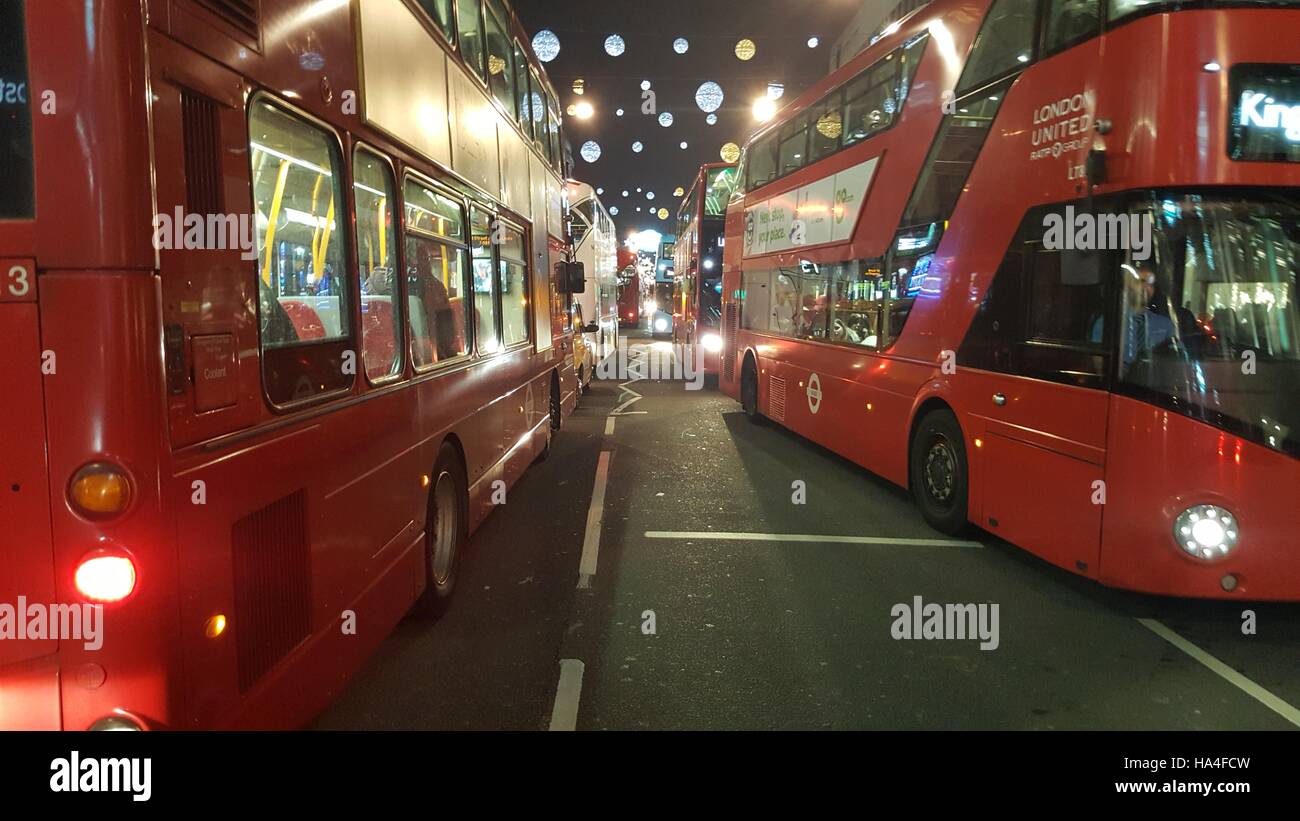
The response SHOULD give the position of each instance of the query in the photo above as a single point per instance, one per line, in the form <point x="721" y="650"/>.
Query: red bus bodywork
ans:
<point x="334" y="489"/>
<point x="697" y="264"/>
<point x="629" y="292"/>
<point x="1038" y="451"/>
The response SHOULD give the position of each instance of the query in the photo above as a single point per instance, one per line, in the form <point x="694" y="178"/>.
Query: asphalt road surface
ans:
<point x="678" y="630"/>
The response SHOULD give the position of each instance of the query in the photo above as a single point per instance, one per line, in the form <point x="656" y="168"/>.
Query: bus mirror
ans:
<point x="591" y="328"/>
<point x="572" y="276"/>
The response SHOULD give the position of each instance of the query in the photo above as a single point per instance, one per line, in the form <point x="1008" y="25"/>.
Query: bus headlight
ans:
<point x="1206" y="532"/>
<point x="711" y="342"/>
<point x="661" y="324"/>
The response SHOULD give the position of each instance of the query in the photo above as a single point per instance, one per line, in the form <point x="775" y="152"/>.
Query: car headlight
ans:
<point x="711" y="342"/>
<point x="1206" y="532"/>
<point x="661" y="324"/>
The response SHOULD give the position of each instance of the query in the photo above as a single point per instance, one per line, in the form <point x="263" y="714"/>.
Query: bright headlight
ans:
<point x="711" y="342"/>
<point x="661" y="324"/>
<point x="1206" y="532"/>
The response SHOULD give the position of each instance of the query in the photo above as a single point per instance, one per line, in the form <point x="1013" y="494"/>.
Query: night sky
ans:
<point x="779" y="28"/>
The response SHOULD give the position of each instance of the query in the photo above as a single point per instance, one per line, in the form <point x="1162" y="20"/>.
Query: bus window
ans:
<point x="376" y="249"/>
<point x="485" y="293"/>
<point x="513" y="271"/>
<point x="718" y="192"/>
<point x="1005" y="43"/>
<point x="437" y="310"/>
<point x="827" y="127"/>
<point x="869" y="103"/>
<point x="794" y="146"/>
<point x="857" y="302"/>
<point x="500" y="53"/>
<point x="762" y="162"/>
<point x="523" y="93"/>
<point x="1069" y="22"/>
<point x="470" y="24"/>
<point x="303" y="295"/>
<point x="553" y="137"/>
<point x="440" y="12"/>
<point x="17" y="191"/>
<point x="1065" y="299"/>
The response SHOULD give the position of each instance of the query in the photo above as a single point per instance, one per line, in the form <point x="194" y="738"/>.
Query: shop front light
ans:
<point x="711" y="342"/>
<point x="1206" y="532"/>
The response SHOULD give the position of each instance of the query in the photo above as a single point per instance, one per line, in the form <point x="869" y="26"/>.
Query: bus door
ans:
<point x="1034" y="367"/>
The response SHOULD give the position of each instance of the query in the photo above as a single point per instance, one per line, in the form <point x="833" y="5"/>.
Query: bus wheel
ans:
<point x="556" y="410"/>
<point x="938" y="471"/>
<point x="749" y="391"/>
<point x="447" y="530"/>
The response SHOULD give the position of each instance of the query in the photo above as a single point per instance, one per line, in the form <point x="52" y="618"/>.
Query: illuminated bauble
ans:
<point x="539" y="108"/>
<point x="590" y="151"/>
<point x="746" y="49"/>
<point x="546" y="45"/>
<point x="625" y="193"/>
<point x="663" y="213"/>
<point x="583" y="110"/>
<point x="712" y="119"/>
<point x="496" y="65"/>
<point x="683" y="145"/>
<point x="730" y="152"/>
<point x="579" y="86"/>
<point x="709" y="97"/>
<point x="613" y="210"/>
<point x="775" y="91"/>
<point x="636" y="147"/>
<point x="614" y="45"/>
<point x="618" y="113"/>
<point x="645" y="85"/>
<point x="649" y="195"/>
<point x="681" y="44"/>
<point x="830" y="125"/>
<point x="679" y="191"/>
<point x="814" y="42"/>
<point x="665" y="118"/>
<point x="571" y="110"/>
<point x="600" y="191"/>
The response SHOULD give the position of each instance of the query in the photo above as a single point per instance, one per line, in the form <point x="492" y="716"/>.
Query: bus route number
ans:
<point x="19" y="284"/>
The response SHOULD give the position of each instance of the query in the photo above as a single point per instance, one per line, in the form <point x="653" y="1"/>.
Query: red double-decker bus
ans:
<point x="278" y="326"/>
<point x="697" y="263"/>
<point x="1037" y="261"/>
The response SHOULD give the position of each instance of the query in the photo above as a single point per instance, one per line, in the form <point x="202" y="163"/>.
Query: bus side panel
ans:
<point x="104" y="403"/>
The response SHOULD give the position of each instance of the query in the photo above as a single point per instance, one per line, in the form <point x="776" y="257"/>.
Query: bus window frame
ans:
<point x="961" y="90"/>
<point x="448" y="37"/>
<point x="497" y="259"/>
<point x="1042" y="49"/>
<point x="399" y="258"/>
<point x="471" y="354"/>
<point x="348" y="342"/>
<point x="481" y="73"/>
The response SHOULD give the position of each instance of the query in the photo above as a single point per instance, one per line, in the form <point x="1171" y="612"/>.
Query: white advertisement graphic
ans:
<point x="825" y="211"/>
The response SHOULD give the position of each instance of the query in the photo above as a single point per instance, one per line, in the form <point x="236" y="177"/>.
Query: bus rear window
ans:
<point x="16" y="188"/>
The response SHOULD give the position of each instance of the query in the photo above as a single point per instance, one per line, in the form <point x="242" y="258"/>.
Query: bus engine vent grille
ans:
<point x="776" y="398"/>
<point x="201" y="125"/>
<point x="242" y="14"/>
<point x="729" y="343"/>
<point x="272" y="576"/>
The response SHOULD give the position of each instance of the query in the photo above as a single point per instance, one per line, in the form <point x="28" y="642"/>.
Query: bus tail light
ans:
<point x="105" y="578"/>
<point x="100" y="490"/>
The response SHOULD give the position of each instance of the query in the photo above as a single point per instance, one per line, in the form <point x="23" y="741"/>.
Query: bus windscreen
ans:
<point x="16" y="188"/>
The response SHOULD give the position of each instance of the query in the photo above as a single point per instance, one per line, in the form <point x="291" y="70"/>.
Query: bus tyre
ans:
<point x="557" y="412"/>
<point x="938" y="472"/>
<point x="446" y="531"/>
<point x="749" y="391"/>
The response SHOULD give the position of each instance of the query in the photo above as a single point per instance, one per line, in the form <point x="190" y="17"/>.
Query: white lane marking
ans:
<point x="1225" y="672"/>
<point x="705" y="535"/>
<point x="609" y="426"/>
<point x="595" y="517"/>
<point x="564" y="715"/>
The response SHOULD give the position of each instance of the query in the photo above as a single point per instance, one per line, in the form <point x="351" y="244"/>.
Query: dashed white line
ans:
<point x="564" y="714"/>
<point x="609" y="426"/>
<point x="705" y="535"/>
<point x="595" y="517"/>
<point x="1225" y="672"/>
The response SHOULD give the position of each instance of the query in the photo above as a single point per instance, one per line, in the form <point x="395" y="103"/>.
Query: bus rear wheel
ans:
<point x="446" y="532"/>
<point x="749" y="391"/>
<point x="557" y="411"/>
<point x="939" y="475"/>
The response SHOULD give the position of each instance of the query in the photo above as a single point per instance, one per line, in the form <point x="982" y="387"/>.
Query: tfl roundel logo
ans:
<point x="814" y="393"/>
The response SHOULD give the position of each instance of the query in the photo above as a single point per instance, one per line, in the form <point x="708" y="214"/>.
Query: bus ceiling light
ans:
<point x="1212" y="66"/>
<point x="100" y="490"/>
<point x="104" y="578"/>
<point x="711" y="342"/>
<point x="1206" y="532"/>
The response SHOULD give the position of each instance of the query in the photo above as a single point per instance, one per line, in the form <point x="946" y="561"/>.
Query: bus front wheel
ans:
<point x="749" y="391"/>
<point x="938" y="472"/>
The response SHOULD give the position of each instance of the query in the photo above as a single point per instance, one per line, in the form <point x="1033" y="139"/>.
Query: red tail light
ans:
<point x="105" y="579"/>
